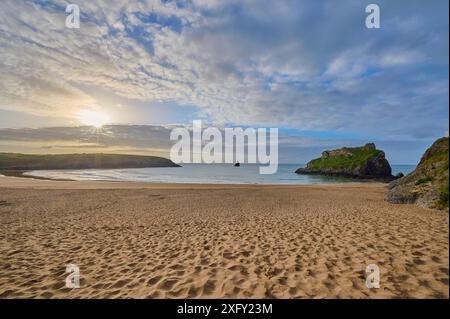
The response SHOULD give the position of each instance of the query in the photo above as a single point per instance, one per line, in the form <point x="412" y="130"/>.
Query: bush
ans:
<point x="424" y="180"/>
<point x="443" y="197"/>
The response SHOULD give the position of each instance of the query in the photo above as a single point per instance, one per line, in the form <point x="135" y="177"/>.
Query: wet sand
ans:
<point x="140" y="240"/>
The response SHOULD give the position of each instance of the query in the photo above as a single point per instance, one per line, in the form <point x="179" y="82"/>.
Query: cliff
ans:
<point x="427" y="185"/>
<point x="357" y="162"/>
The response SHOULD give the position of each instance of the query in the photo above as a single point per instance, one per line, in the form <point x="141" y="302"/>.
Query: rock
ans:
<point x="427" y="185"/>
<point x="358" y="162"/>
<point x="399" y="175"/>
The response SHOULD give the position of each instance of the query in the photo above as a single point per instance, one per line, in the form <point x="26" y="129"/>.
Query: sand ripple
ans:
<point x="223" y="242"/>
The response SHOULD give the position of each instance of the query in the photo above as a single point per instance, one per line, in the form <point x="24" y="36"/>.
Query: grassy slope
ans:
<point x="15" y="161"/>
<point x="431" y="174"/>
<point x="359" y="156"/>
<point x="435" y="169"/>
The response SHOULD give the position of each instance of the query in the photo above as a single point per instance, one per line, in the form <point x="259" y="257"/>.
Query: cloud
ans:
<point x="294" y="147"/>
<point x="304" y="64"/>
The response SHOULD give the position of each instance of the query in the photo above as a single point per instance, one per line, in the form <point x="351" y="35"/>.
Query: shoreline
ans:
<point x="24" y="181"/>
<point x="20" y="174"/>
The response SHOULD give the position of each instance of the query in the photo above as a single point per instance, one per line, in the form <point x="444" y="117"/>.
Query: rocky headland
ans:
<point x="13" y="162"/>
<point x="366" y="162"/>
<point x="427" y="185"/>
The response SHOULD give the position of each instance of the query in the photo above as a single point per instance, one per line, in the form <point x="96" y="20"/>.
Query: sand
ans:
<point x="137" y="240"/>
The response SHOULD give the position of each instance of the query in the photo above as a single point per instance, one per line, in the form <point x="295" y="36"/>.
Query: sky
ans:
<point x="310" y="68"/>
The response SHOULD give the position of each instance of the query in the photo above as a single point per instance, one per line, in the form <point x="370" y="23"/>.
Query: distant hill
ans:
<point x="427" y="185"/>
<point x="358" y="162"/>
<point x="15" y="161"/>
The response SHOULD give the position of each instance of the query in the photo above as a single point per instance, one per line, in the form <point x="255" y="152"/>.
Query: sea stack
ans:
<point x="365" y="162"/>
<point x="427" y="185"/>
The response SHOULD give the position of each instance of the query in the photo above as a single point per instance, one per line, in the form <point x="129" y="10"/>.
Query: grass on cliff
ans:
<point x="443" y="197"/>
<point x="438" y="161"/>
<point x="16" y="161"/>
<point x="436" y="170"/>
<point x="358" y="157"/>
<point x="424" y="180"/>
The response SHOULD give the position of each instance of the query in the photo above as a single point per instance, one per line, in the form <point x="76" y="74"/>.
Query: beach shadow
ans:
<point x="4" y="203"/>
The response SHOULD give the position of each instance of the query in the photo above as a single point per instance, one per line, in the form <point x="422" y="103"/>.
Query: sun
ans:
<point x="93" y="118"/>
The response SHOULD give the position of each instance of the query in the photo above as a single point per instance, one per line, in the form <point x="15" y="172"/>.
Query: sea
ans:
<point x="204" y="174"/>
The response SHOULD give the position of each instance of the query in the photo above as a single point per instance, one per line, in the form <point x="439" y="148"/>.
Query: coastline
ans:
<point x="286" y="177"/>
<point x="29" y="181"/>
<point x="21" y="174"/>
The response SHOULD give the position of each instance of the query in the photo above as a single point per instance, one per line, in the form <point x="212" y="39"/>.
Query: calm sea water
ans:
<point x="202" y="173"/>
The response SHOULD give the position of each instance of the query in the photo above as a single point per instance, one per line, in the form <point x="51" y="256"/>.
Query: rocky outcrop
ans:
<point x="427" y="185"/>
<point x="358" y="162"/>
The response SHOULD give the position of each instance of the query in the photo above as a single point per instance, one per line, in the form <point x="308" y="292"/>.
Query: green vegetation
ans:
<point x="14" y="161"/>
<point x="355" y="157"/>
<point x="428" y="182"/>
<point x="434" y="164"/>
<point x="359" y="162"/>
<point x="439" y="161"/>
<point x="435" y="167"/>
<point x="443" y="197"/>
<point x="424" y="180"/>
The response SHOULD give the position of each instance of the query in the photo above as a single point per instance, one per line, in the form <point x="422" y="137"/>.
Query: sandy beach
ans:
<point x="138" y="240"/>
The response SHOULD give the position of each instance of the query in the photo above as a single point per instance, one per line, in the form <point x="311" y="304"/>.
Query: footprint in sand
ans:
<point x="209" y="287"/>
<point x="121" y="283"/>
<point x="167" y="284"/>
<point x="4" y="203"/>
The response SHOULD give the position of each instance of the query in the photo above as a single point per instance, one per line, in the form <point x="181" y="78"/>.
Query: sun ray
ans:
<point x="93" y="118"/>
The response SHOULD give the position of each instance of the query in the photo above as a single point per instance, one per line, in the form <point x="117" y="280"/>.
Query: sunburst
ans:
<point x="93" y="118"/>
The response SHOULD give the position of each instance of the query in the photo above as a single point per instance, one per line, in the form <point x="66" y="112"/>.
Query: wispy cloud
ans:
<point x="303" y="64"/>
